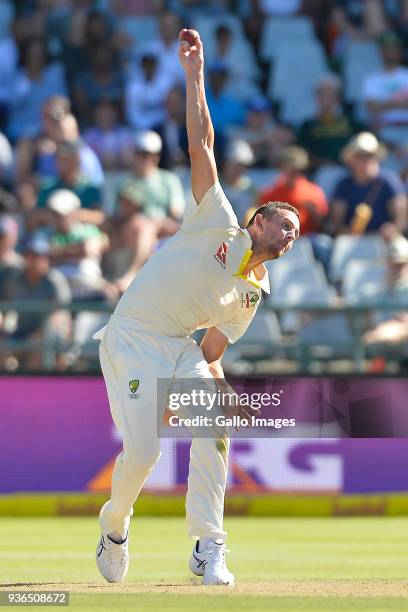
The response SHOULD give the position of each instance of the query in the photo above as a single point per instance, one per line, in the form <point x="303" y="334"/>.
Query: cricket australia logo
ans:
<point x="221" y="254"/>
<point x="133" y="386"/>
<point x="249" y="299"/>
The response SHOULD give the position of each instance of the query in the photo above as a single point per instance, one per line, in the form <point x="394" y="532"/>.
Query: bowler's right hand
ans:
<point x="191" y="52"/>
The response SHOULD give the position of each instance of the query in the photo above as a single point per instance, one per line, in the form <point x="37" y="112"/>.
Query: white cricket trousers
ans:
<point x="130" y="352"/>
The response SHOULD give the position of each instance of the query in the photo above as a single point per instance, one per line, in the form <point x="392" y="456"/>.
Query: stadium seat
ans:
<point x="348" y="248"/>
<point x="311" y="275"/>
<point x="302" y="295"/>
<point x="207" y="25"/>
<point x="86" y="324"/>
<point x="293" y="78"/>
<point x="141" y="30"/>
<point x="284" y="30"/>
<point x="360" y="59"/>
<point x="363" y="281"/>
<point x="328" y="337"/>
<point x="262" y="339"/>
<point x="301" y="253"/>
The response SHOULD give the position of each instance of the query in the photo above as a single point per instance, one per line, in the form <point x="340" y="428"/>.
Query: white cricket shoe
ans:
<point x="112" y="558"/>
<point x="210" y="563"/>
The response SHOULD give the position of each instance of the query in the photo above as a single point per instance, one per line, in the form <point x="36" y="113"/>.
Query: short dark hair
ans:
<point x="271" y="208"/>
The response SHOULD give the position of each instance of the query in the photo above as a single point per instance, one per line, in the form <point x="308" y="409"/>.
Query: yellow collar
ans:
<point x="262" y="283"/>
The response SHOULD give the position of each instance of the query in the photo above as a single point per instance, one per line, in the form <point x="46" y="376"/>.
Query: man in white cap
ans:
<point x="76" y="247"/>
<point x="210" y="275"/>
<point x="162" y="194"/>
<point x="368" y="196"/>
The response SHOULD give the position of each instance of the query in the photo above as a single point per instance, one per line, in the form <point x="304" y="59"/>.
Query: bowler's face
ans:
<point x="280" y="232"/>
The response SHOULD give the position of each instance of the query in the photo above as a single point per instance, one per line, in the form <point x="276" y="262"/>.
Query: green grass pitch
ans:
<point x="279" y="564"/>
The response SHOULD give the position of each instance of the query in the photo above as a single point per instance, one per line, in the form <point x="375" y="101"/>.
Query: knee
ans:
<point x="144" y="461"/>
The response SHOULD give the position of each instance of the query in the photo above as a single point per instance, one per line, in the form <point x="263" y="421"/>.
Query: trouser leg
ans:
<point x="206" y="487"/>
<point x="136" y="420"/>
<point x="208" y="458"/>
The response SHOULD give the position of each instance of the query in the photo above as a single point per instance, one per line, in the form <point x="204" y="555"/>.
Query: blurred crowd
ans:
<point x="309" y="100"/>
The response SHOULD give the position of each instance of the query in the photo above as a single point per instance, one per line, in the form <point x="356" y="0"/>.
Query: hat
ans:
<point x="36" y="245"/>
<point x="293" y="156"/>
<point x="63" y="201"/>
<point x="397" y="250"/>
<point x="259" y="104"/>
<point x="239" y="152"/>
<point x="8" y="225"/>
<point x="364" y="142"/>
<point x="147" y="141"/>
<point x="133" y="194"/>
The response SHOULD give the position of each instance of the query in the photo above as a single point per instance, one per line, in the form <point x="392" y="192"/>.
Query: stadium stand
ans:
<point x="75" y="77"/>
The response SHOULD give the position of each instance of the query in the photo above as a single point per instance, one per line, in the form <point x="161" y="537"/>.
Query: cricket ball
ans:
<point x="189" y="36"/>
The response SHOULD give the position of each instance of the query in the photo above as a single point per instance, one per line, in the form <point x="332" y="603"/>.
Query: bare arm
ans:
<point x="213" y="346"/>
<point x="199" y="125"/>
<point x="399" y="211"/>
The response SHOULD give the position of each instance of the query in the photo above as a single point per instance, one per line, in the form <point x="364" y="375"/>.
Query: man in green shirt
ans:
<point x="69" y="177"/>
<point x="161" y="191"/>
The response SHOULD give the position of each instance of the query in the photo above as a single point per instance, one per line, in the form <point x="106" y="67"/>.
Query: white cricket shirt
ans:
<point x="195" y="280"/>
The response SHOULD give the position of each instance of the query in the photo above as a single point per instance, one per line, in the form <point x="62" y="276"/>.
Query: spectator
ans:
<point x="386" y="93"/>
<point x="132" y="238"/>
<point x="226" y="111"/>
<point x="162" y="195"/>
<point x="357" y="20"/>
<point x="36" y="281"/>
<point x="173" y="131"/>
<point x="166" y="47"/>
<point x="103" y="80"/>
<point x="76" y="248"/>
<point x="10" y="261"/>
<point x="86" y="30"/>
<point x="146" y="93"/>
<point x="266" y="137"/>
<point x="237" y="185"/>
<point x="69" y="178"/>
<point x="392" y="326"/>
<point x="238" y="56"/>
<point x="110" y="140"/>
<point x="325" y="135"/>
<point x="292" y="186"/>
<point x="37" y="156"/>
<point x="368" y="196"/>
<point x="35" y="83"/>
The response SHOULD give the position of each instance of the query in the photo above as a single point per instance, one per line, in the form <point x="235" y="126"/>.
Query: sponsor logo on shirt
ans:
<point x="249" y="299"/>
<point x="133" y="386"/>
<point x="221" y="254"/>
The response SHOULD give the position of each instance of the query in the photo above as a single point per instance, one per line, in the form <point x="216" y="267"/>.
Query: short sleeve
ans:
<point x="213" y="212"/>
<point x="233" y="330"/>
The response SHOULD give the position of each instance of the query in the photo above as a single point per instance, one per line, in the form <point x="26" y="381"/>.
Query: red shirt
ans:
<point x="300" y="192"/>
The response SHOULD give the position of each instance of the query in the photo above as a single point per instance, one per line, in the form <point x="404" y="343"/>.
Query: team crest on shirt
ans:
<point x="221" y="254"/>
<point x="249" y="299"/>
<point x="133" y="386"/>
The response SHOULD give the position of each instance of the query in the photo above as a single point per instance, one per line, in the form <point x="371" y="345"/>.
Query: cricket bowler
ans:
<point x="209" y="275"/>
